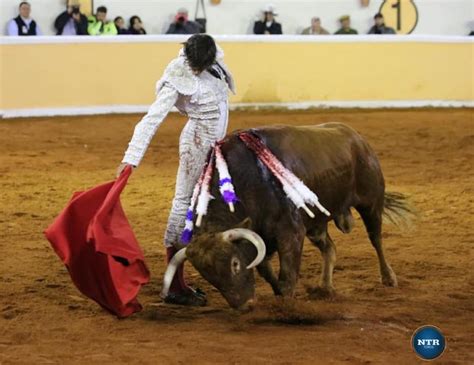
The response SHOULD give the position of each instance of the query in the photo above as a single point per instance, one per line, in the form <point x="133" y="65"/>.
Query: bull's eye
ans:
<point x="235" y="265"/>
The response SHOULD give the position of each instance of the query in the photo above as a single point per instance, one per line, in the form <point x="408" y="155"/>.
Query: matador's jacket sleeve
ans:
<point x="147" y="127"/>
<point x="177" y="85"/>
<point x="178" y="80"/>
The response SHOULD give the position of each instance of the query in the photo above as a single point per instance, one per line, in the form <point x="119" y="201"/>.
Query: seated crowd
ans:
<point x="73" y="22"/>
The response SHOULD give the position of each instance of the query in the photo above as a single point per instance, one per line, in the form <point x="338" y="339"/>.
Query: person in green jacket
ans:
<point x="98" y="24"/>
<point x="346" y="26"/>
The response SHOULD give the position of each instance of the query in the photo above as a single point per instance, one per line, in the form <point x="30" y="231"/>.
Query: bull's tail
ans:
<point x="397" y="209"/>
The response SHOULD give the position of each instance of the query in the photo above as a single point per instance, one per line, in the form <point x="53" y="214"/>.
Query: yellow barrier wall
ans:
<point x="95" y="74"/>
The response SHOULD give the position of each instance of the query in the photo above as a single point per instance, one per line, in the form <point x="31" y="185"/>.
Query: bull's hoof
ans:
<point x="390" y="279"/>
<point x="249" y="306"/>
<point x="190" y="297"/>
<point x="319" y="292"/>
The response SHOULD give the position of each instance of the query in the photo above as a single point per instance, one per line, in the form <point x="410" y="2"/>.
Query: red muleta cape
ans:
<point x="93" y="238"/>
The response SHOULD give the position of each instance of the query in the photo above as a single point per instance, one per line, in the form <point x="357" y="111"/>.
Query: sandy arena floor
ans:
<point x="427" y="154"/>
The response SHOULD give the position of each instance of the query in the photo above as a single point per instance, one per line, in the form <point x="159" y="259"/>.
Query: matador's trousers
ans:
<point x="195" y="142"/>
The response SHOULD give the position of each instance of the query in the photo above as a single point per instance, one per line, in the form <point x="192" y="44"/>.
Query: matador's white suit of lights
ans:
<point x="204" y="99"/>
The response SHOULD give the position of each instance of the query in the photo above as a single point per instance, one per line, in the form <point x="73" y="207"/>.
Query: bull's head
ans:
<point x="226" y="261"/>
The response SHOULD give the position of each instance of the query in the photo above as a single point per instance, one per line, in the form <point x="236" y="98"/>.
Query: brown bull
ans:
<point x="336" y="163"/>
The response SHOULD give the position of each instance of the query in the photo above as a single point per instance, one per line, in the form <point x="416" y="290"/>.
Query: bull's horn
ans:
<point x="178" y="258"/>
<point x="255" y="239"/>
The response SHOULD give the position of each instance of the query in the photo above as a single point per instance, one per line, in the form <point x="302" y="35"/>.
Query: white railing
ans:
<point x="240" y="39"/>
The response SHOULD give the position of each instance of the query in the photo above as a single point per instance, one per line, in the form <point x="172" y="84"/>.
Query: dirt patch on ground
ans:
<point x="427" y="154"/>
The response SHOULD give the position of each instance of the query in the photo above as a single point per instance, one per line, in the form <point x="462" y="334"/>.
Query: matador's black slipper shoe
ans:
<point x="191" y="297"/>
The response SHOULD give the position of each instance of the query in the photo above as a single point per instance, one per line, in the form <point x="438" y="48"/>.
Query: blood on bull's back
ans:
<point x="332" y="159"/>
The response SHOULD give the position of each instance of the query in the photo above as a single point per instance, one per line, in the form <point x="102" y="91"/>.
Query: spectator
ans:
<point x="98" y="24"/>
<point x="182" y="24"/>
<point x="315" y="28"/>
<point x="346" y="26"/>
<point x="23" y="25"/>
<point x="268" y="25"/>
<point x="379" y="27"/>
<point x="120" y="26"/>
<point x="71" y="22"/>
<point x="136" y="26"/>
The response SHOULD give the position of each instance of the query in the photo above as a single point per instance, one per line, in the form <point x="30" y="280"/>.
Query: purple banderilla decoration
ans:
<point x="227" y="194"/>
<point x="226" y="189"/>
<point x="188" y="231"/>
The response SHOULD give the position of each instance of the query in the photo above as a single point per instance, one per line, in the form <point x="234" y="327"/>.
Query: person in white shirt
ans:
<point x="23" y="25"/>
<point x="197" y="83"/>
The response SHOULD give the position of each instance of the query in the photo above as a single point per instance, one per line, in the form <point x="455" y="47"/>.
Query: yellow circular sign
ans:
<point x="401" y="15"/>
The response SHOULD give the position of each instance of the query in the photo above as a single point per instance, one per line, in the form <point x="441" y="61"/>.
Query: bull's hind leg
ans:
<point x="372" y="218"/>
<point x="321" y="239"/>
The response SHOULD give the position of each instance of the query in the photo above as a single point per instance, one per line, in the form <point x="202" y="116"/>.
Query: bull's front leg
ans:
<point x="265" y="270"/>
<point x="289" y="252"/>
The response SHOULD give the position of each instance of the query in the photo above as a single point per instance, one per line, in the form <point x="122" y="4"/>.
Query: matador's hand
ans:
<point x="122" y="167"/>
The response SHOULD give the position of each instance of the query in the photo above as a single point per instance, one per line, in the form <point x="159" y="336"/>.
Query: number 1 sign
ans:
<point x="402" y="15"/>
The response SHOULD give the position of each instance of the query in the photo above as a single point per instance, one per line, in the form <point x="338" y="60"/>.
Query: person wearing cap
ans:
<point x="379" y="27"/>
<point x="182" y="24"/>
<point x="315" y="28"/>
<point x="346" y="26"/>
<point x="268" y="25"/>
<point x="23" y="24"/>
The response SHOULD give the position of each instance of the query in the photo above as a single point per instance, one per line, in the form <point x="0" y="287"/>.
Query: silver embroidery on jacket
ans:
<point x="203" y="98"/>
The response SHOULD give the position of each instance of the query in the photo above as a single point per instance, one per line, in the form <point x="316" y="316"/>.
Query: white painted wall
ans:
<point x="447" y="17"/>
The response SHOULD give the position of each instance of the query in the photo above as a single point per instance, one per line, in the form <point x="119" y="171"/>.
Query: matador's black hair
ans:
<point x="200" y="51"/>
